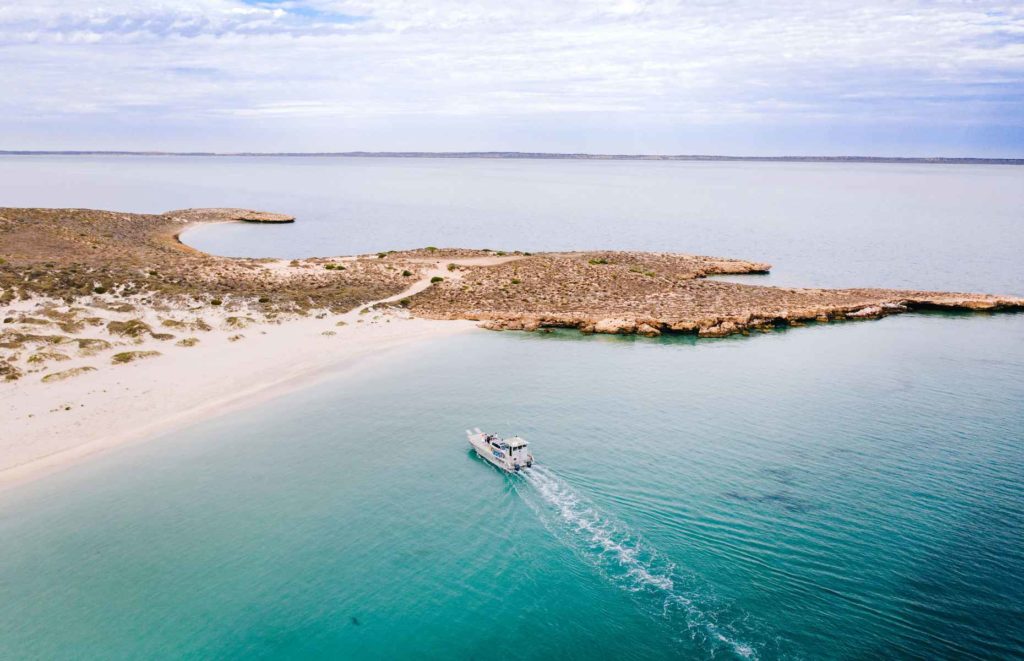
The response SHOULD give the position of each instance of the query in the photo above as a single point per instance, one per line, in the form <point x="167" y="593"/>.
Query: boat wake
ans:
<point x="628" y="561"/>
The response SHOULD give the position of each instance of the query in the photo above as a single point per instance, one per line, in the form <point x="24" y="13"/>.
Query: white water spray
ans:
<point x="625" y="558"/>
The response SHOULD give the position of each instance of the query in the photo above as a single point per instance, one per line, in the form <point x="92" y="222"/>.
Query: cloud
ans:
<point x="297" y="66"/>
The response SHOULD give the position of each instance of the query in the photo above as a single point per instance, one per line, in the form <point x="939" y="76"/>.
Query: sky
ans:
<point x="883" y="78"/>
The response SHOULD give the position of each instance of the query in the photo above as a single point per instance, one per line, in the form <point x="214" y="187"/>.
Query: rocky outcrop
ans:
<point x="615" y="326"/>
<point x="228" y="214"/>
<point x="647" y="330"/>
<point x="742" y="323"/>
<point x="614" y="293"/>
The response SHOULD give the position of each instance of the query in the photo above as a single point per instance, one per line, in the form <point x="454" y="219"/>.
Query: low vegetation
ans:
<point x="130" y="328"/>
<point x="41" y="357"/>
<point x="132" y="356"/>
<point x="239" y="322"/>
<point x="104" y="257"/>
<point x="67" y="374"/>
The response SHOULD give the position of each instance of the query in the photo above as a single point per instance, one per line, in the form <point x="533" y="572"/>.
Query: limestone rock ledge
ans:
<point x="873" y="304"/>
<point x="229" y="214"/>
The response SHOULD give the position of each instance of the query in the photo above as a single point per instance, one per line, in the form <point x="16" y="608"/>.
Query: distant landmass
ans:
<point x="541" y="155"/>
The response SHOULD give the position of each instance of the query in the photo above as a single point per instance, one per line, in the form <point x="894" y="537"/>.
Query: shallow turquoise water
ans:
<point x="851" y="491"/>
<point x="847" y="491"/>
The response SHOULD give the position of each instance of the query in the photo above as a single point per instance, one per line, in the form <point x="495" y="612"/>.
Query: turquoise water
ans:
<point x="846" y="491"/>
<point x="852" y="491"/>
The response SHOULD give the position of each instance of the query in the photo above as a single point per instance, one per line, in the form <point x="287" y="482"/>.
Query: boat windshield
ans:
<point x="510" y="444"/>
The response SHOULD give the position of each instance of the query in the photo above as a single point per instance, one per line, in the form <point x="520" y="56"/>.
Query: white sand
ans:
<point x="49" y="426"/>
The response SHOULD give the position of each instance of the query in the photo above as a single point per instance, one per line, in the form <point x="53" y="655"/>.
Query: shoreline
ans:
<point x="53" y="426"/>
<point x="546" y="156"/>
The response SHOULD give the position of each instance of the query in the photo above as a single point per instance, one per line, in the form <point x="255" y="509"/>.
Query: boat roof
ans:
<point x="516" y="442"/>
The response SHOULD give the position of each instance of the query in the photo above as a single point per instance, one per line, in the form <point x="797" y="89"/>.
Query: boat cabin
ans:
<point x="514" y="448"/>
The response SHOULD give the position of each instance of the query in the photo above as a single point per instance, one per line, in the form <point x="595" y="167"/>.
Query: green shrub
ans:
<point x="216" y="301"/>
<point x="99" y="290"/>
<point x="436" y="278"/>
<point x="67" y="374"/>
<point x="129" y="356"/>
<point x="405" y="302"/>
<point x="90" y="346"/>
<point x="452" y="267"/>
<point x="264" y="299"/>
<point x="599" y="260"/>
<point x="43" y="356"/>
<point x="406" y="274"/>
<point x="516" y="281"/>
<point x="381" y="255"/>
<point x="239" y="322"/>
<point x="9" y="372"/>
<point x="130" y="328"/>
<point x="431" y="249"/>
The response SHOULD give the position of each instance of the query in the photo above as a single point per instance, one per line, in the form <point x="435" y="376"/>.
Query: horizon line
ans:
<point x="526" y="155"/>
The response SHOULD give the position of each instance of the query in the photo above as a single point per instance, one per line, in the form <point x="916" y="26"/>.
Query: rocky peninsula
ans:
<point x="655" y="293"/>
<point x="80" y="284"/>
<point x="114" y="330"/>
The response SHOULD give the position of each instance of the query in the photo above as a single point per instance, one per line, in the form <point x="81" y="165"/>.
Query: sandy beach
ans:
<point x="51" y="425"/>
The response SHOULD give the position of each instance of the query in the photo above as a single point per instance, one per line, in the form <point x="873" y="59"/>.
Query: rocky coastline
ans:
<point x="82" y="288"/>
<point x="651" y="294"/>
<point x="748" y="322"/>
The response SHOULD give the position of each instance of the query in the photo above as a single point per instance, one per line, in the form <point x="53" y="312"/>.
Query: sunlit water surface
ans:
<point x="844" y="491"/>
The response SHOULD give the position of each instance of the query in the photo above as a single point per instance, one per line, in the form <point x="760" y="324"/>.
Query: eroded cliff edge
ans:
<point x="653" y="293"/>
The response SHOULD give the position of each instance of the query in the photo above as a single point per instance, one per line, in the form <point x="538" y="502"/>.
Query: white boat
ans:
<point x="508" y="454"/>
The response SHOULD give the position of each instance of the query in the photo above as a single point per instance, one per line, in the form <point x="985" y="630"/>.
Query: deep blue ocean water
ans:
<point x="841" y="491"/>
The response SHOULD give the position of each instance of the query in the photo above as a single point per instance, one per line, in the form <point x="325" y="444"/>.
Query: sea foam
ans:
<point x="626" y="559"/>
